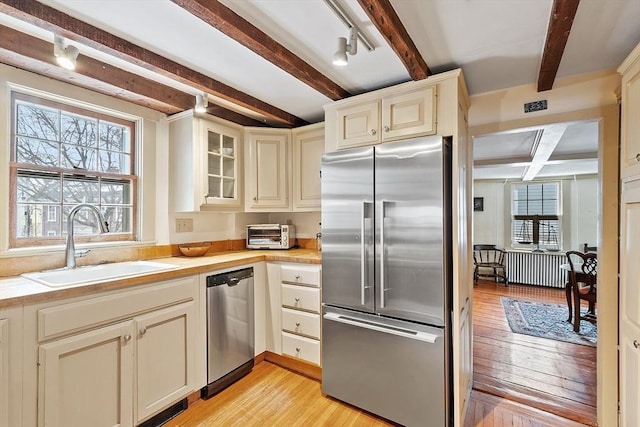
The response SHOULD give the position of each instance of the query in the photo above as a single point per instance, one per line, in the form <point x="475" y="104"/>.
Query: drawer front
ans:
<point x="300" y="297"/>
<point x="301" y="323"/>
<point x="301" y="348"/>
<point x="303" y="275"/>
<point x="69" y="318"/>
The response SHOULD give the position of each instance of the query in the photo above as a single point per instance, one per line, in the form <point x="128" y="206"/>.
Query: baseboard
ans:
<point x="307" y="369"/>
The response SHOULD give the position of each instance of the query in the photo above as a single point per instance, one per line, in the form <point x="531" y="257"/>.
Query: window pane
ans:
<point x="37" y="152"/>
<point x="29" y="220"/>
<point x="118" y="218"/>
<point x="85" y="222"/>
<point x="78" y="157"/>
<point x="213" y="142"/>
<point x="214" y="187"/>
<point x="82" y="190"/>
<point x="214" y="165"/>
<point x="114" y="137"/>
<point x="78" y="130"/>
<point x="114" y="162"/>
<point x="37" y="122"/>
<point x="37" y="189"/>
<point x="115" y="193"/>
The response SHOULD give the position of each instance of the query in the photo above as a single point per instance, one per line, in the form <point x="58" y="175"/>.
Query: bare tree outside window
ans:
<point x="62" y="156"/>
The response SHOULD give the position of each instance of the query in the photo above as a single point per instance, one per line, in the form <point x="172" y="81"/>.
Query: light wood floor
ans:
<point x="554" y="376"/>
<point x="273" y="396"/>
<point x="523" y="368"/>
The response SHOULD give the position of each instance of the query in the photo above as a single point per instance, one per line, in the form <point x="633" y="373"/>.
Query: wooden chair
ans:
<point x="583" y="278"/>
<point x="488" y="261"/>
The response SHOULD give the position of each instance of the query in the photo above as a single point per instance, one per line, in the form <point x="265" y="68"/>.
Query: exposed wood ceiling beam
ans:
<point x="71" y="28"/>
<point x="388" y="23"/>
<point x="36" y="55"/>
<point x="233" y="25"/>
<point x="562" y="14"/>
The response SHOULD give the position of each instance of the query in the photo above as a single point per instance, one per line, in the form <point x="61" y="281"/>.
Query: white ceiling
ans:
<point x="497" y="43"/>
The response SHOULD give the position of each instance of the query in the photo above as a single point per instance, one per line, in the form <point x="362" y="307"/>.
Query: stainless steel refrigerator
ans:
<point x="386" y="273"/>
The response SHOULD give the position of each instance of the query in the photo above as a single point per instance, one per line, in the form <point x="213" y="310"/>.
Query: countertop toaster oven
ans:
<point x="271" y="236"/>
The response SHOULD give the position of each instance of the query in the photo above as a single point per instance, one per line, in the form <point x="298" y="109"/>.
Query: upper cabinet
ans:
<point x="308" y="147"/>
<point x="630" y="132"/>
<point x="268" y="160"/>
<point x="205" y="156"/>
<point x="382" y="116"/>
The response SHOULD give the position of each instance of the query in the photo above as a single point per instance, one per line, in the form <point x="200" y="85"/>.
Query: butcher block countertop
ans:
<point x="21" y="291"/>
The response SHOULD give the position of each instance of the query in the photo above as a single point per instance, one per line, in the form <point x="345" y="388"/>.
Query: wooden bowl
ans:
<point x="195" y="249"/>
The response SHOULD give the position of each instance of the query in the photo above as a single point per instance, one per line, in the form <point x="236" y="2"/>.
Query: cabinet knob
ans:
<point x="386" y="128"/>
<point x="636" y="344"/>
<point x="297" y="299"/>
<point x="143" y="331"/>
<point x="298" y="349"/>
<point x="297" y="324"/>
<point x="372" y="132"/>
<point x="255" y="198"/>
<point x="126" y="338"/>
<point x="298" y="278"/>
<point x="638" y="157"/>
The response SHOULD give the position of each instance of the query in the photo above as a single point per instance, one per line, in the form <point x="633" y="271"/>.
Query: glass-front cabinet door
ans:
<point x="222" y="184"/>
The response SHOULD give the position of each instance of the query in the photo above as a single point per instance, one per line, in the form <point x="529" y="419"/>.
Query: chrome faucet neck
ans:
<point x="70" y="248"/>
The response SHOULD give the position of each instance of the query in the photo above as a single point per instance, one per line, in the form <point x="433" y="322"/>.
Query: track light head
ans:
<point x="65" y="56"/>
<point x="351" y="47"/>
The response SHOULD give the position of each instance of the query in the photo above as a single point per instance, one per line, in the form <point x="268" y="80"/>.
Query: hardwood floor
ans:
<point x="553" y="376"/>
<point x="518" y="381"/>
<point x="273" y="396"/>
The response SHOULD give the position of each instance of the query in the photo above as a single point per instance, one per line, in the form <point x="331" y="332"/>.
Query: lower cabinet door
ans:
<point x="164" y="341"/>
<point x="4" y="373"/>
<point x="85" y="380"/>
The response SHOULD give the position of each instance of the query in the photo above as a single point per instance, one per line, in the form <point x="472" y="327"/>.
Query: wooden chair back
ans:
<point x="583" y="278"/>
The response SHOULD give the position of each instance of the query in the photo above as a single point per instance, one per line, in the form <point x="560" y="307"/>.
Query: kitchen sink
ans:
<point x="96" y="273"/>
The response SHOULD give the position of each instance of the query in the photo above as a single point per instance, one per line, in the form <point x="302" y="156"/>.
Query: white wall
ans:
<point x="579" y="212"/>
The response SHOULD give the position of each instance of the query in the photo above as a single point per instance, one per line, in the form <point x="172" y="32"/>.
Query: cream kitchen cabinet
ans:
<point x="117" y="359"/>
<point x="300" y="313"/>
<point x="268" y="170"/>
<point x="630" y="112"/>
<point x="205" y="162"/>
<point x="4" y="373"/>
<point x="308" y="147"/>
<point x="398" y="114"/>
<point x="630" y="304"/>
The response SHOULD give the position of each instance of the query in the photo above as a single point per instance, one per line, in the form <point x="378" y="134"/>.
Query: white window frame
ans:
<point x="557" y="246"/>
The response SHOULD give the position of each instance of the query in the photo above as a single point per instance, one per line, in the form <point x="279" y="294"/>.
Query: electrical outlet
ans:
<point x="184" y="225"/>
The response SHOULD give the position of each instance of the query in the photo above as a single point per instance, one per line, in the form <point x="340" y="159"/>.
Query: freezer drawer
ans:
<point x="300" y="347"/>
<point x="396" y="370"/>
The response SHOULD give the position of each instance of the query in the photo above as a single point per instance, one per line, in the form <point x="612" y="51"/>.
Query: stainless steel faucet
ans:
<point x="70" y="249"/>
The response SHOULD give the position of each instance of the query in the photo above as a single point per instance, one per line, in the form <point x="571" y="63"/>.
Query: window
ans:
<point x="536" y="206"/>
<point x="61" y="156"/>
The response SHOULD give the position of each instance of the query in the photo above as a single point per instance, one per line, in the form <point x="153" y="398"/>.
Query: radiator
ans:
<point x="537" y="268"/>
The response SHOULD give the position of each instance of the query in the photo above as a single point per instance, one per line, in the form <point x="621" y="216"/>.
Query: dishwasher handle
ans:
<point x="231" y="278"/>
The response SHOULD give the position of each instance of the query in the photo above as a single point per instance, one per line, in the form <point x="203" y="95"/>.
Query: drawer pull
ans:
<point x="143" y="331"/>
<point x="297" y="324"/>
<point x="372" y="132"/>
<point x="297" y="299"/>
<point x="126" y="338"/>
<point x="298" y="349"/>
<point x="298" y="277"/>
<point x="386" y="128"/>
<point x="636" y="344"/>
<point x="638" y="157"/>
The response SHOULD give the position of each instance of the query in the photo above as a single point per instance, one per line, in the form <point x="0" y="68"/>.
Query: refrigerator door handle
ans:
<point x="393" y="330"/>
<point x="382" y="254"/>
<point x="363" y="265"/>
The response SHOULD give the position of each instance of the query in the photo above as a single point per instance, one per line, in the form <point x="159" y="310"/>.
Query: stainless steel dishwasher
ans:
<point x="230" y="329"/>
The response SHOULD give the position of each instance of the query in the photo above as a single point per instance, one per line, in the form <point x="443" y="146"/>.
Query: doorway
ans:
<point x="562" y="161"/>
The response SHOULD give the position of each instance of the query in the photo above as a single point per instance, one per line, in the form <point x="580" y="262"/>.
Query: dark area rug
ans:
<point x="546" y="321"/>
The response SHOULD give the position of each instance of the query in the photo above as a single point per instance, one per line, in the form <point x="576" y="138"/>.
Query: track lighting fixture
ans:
<point x="201" y="103"/>
<point x="65" y="56"/>
<point x="351" y="47"/>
